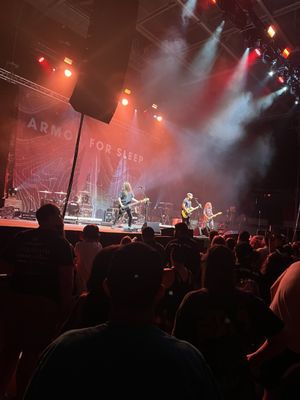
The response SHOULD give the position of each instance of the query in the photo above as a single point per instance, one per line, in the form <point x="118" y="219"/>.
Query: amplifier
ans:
<point x="29" y="215"/>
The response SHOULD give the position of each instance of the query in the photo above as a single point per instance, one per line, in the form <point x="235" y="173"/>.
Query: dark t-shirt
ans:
<point x="225" y="330"/>
<point x="111" y="360"/>
<point x="126" y="198"/>
<point x="191" y="253"/>
<point x="36" y="256"/>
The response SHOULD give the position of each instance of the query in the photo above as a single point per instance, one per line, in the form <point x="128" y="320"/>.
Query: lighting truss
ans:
<point x="19" y="80"/>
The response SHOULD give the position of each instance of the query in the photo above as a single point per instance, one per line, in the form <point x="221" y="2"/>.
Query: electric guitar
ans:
<point x="186" y="213"/>
<point x="206" y="218"/>
<point x="125" y="207"/>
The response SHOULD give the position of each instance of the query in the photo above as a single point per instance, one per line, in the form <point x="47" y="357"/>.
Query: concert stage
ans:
<point x="109" y="235"/>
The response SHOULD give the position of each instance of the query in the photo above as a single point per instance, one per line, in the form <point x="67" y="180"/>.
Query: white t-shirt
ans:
<point x="85" y="253"/>
<point x="285" y="303"/>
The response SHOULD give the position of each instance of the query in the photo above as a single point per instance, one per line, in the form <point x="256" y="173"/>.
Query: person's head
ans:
<point x="127" y="187"/>
<point x="219" y="275"/>
<point x="177" y="255"/>
<point x="91" y="233"/>
<point x="125" y="240"/>
<point x="100" y="267"/>
<point x="208" y="205"/>
<point x="49" y="217"/>
<point x="181" y="230"/>
<point x="244" y="253"/>
<point x="218" y="239"/>
<point x="230" y="243"/>
<point x="134" y="278"/>
<point x="256" y="241"/>
<point x="148" y="234"/>
<point x="244" y="237"/>
<point x="189" y="196"/>
<point x="212" y="234"/>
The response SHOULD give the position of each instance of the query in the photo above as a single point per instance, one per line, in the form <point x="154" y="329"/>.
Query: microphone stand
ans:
<point x="198" y="219"/>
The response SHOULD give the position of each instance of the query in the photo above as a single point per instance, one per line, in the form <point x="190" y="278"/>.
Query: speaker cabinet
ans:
<point x="154" y="225"/>
<point x="105" y="60"/>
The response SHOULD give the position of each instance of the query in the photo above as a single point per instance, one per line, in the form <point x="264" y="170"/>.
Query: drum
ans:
<point x="73" y="209"/>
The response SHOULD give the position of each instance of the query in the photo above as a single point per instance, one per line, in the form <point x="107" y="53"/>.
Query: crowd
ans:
<point x="144" y="320"/>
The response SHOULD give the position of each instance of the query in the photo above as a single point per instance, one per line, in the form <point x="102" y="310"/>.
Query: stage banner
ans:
<point x="46" y="132"/>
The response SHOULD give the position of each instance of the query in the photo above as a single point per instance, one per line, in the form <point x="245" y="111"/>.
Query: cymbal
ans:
<point x="84" y="191"/>
<point x="60" y="192"/>
<point x="44" y="191"/>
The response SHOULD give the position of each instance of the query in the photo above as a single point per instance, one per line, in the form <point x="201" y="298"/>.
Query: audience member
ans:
<point x="92" y="307"/>
<point x="224" y="323"/>
<point x="190" y="248"/>
<point x="85" y="252"/>
<point x="178" y="281"/>
<point x="125" y="240"/>
<point x="127" y="356"/>
<point x="148" y="237"/>
<point x="41" y="293"/>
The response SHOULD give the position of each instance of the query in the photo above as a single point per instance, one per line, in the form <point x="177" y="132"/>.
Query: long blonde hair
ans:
<point x="127" y="187"/>
<point x="207" y="205"/>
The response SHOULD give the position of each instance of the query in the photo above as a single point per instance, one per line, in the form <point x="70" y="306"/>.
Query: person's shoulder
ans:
<point x="78" y="337"/>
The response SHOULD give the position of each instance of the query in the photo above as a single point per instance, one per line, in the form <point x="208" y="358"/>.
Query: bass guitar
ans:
<point x="127" y="206"/>
<point x="186" y="213"/>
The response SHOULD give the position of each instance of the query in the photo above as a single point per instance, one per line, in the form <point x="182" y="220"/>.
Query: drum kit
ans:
<point x="56" y="198"/>
<point x="78" y="206"/>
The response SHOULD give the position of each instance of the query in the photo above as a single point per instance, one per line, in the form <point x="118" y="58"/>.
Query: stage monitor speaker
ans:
<point x="104" y="63"/>
<point x="154" y="225"/>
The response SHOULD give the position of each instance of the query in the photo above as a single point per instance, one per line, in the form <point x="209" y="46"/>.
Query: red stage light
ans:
<point x="285" y="53"/>
<point x="159" y="118"/>
<point x="213" y="1"/>
<point x="68" y="73"/>
<point x="281" y="79"/>
<point x="41" y="59"/>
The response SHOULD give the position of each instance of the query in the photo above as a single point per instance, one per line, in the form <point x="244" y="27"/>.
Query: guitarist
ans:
<point x="186" y="207"/>
<point x="208" y="217"/>
<point x="125" y="198"/>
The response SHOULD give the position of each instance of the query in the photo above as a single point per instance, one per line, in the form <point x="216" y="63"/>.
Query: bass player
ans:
<point x="126" y="197"/>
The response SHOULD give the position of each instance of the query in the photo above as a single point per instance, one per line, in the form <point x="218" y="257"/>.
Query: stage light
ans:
<point x="271" y="31"/>
<point x="127" y="91"/>
<point x="155" y="106"/>
<point x="271" y="73"/>
<point x="159" y="118"/>
<point x="213" y="2"/>
<point x="68" y="61"/>
<point x="53" y="69"/>
<point x="124" y="102"/>
<point x="41" y="59"/>
<point x="297" y="101"/>
<point x="285" y="53"/>
<point x="281" y="79"/>
<point x="68" y="73"/>
<point x="285" y="88"/>
<point x="258" y="52"/>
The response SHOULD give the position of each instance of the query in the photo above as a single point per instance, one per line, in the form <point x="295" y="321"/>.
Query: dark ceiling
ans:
<point x="58" y="27"/>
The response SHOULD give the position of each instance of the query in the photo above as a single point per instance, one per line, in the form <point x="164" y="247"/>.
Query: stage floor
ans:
<point x="103" y="227"/>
